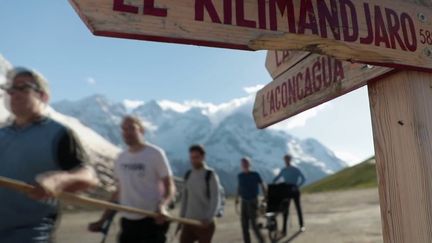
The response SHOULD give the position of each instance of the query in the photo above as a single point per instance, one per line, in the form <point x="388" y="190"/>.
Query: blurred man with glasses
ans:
<point x="37" y="150"/>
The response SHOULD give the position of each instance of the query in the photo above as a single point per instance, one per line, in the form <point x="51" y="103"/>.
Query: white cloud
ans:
<point x="301" y="119"/>
<point x="91" y="81"/>
<point x="171" y="105"/>
<point x="218" y="113"/>
<point x="215" y="112"/>
<point x="132" y="104"/>
<point x="253" y="89"/>
<point x="149" y="126"/>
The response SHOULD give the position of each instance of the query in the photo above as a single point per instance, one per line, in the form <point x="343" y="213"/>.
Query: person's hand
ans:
<point x="162" y="215"/>
<point x="178" y="229"/>
<point x="39" y="193"/>
<point x="49" y="185"/>
<point x="206" y="223"/>
<point x="95" y="226"/>
<point x="52" y="183"/>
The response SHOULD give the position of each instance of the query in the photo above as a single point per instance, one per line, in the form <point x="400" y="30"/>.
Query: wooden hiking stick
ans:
<point x="90" y="202"/>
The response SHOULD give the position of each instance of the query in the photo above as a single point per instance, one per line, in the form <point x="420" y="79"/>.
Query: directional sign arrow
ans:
<point x="313" y="81"/>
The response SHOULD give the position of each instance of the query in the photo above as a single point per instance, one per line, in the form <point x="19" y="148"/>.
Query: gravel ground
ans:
<point x="339" y="217"/>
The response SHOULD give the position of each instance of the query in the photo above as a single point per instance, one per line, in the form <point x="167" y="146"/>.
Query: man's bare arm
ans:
<point x="237" y="197"/>
<point x="77" y="180"/>
<point x="169" y="189"/>
<point x="97" y="226"/>
<point x="264" y="190"/>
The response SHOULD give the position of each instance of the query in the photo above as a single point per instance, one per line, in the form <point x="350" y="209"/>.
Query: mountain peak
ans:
<point x="98" y="98"/>
<point x="149" y="109"/>
<point x="4" y="67"/>
<point x="174" y="128"/>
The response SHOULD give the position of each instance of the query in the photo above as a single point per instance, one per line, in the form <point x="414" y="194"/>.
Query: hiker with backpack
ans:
<point x="144" y="181"/>
<point x="249" y="183"/>
<point x="201" y="200"/>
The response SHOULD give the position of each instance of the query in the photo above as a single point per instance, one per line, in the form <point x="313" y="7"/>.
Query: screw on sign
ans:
<point x="393" y="33"/>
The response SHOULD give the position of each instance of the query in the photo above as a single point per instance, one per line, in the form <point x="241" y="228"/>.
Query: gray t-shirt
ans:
<point x="196" y="204"/>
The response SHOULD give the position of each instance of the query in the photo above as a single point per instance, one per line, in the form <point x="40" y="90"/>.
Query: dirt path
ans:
<point x="339" y="217"/>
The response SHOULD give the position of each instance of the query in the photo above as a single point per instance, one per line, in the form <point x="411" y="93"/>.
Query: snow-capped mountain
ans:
<point x="104" y="114"/>
<point x="4" y="67"/>
<point x="227" y="131"/>
<point x="101" y="152"/>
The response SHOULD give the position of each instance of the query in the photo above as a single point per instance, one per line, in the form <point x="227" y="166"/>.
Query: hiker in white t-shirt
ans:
<point x="144" y="181"/>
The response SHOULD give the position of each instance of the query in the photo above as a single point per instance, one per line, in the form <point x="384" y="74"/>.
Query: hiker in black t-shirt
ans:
<point x="248" y="190"/>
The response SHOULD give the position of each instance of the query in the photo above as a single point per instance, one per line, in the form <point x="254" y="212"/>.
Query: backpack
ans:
<point x="221" y="207"/>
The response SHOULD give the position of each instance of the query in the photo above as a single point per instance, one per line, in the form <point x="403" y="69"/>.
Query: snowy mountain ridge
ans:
<point x="227" y="131"/>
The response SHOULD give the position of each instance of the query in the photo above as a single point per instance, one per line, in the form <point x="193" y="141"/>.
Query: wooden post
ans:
<point x="401" y="107"/>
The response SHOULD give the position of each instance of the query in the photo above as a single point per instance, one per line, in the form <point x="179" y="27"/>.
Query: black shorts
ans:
<point x="278" y="194"/>
<point x="142" y="231"/>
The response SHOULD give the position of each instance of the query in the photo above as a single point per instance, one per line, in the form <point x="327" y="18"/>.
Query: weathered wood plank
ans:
<point x="402" y="125"/>
<point x="278" y="62"/>
<point x="313" y="81"/>
<point x="394" y="33"/>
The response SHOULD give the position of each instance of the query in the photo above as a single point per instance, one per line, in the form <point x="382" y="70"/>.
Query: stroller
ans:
<point x="277" y="203"/>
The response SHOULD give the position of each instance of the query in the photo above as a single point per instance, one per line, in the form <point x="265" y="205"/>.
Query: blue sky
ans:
<point x="48" y="35"/>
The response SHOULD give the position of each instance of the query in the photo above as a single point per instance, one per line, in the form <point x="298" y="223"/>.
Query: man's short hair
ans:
<point x="246" y="159"/>
<point x="135" y="120"/>
<point x="197" y="148"/>
<point x="40" y="81"/>
<point x="288" y="157"/>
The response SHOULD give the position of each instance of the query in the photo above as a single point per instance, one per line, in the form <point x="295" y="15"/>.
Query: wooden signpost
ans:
<point x="278" y="62"/>
<point x="393" y="33"/>
<point x="387" y="33"/>
<point x="313" y="81"/>
<point x="401" y="107"/>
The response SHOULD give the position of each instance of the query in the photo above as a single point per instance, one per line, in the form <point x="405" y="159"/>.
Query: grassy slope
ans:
<point x="360" y="176"/>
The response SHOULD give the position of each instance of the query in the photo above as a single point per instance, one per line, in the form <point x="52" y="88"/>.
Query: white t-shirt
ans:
<point x="140" y="177"/>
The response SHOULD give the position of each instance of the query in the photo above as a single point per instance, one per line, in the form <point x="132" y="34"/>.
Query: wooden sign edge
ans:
<point x="141" y="37"/>
<point x="301" y="58"/>
<point x="251" y="46"/>
<point x="330" y="97"/>
<point x="82" y="17"/>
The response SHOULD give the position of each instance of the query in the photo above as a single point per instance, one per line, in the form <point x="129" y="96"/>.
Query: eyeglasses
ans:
<point x="24" y="88"/>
